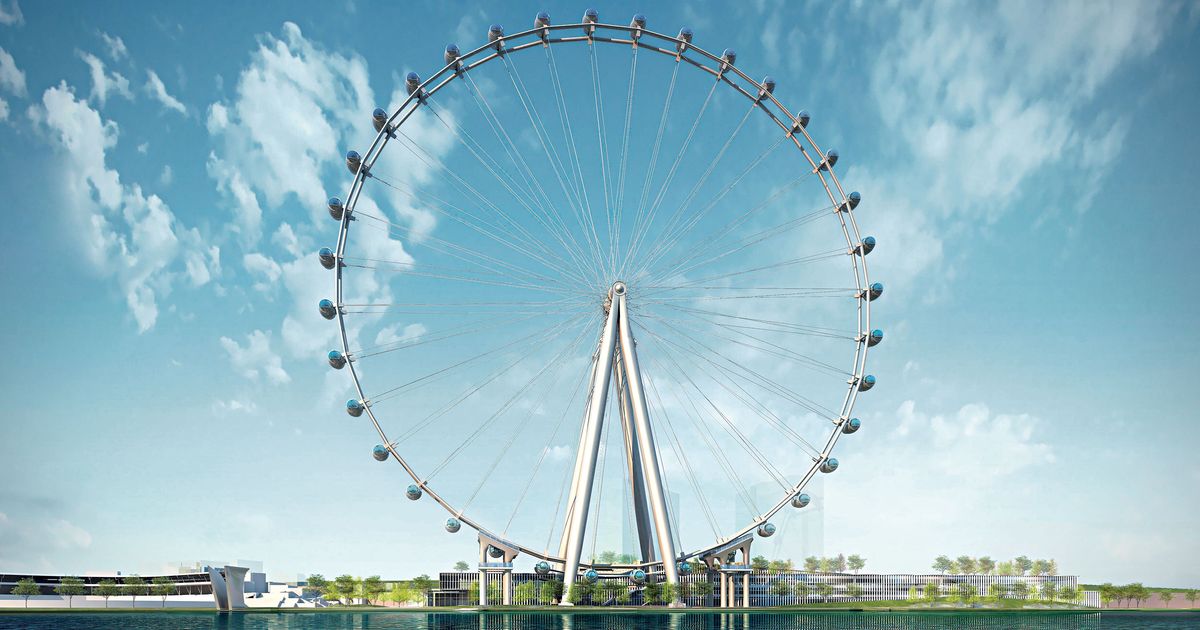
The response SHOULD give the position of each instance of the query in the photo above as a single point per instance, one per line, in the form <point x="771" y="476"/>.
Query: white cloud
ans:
<point x="104" y="82"/>
<point x="11" y="15"/>
<point x="67" y="535"/>
<point x="124" y="233"/>
<point x="3" y="109"/>
<point x="256" y="358"/>
<point x="12" y="78"/>
<point x="155" y="88"/>
<point x="558" y="452"/>
<point x="232" y="406"/>
<point x="116" y="46"/>
<point x="143" y="148"/>
<point x="166" y="176"/>
<point x="388" y="334"/>
<point x="265" y="271"/>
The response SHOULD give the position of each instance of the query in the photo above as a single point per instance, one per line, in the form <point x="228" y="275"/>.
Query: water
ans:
<point x="593" y="621"/>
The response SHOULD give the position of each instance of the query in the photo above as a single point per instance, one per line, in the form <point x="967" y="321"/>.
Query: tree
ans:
<point x="914" y="593"/>
<point x="525" y="593"/>
<point x="346" y="586"/>
<point x="997" y="591"/>
<point x="106" y="589"/>
<point x="931" y="590"/>
<point x="1040" y="567"/>
<point x="1068" y="594"/>
<point x="1190" y="594"/>
<point x="827" y="565"/>
<point x="759" y="564"/>
<point x="69" y="587"/>
<point x="461" y="566"/>
<point x="704" y="590"/>
<point x="824" y="590"/>
<point x="1108" y="593"/>
<point x="581" y="592"/>
<point x="1022" y="565"/>
<point x="424" y="584"/>
<point x="966" y="592"/>
<point x="163" y="587"/>
<point x="964" y="565"/>
<point x="801" y="590"/>
<point x="856" y="563"/>
<point x="854" y="591"/>
<point x="667" y="593"/>
<point x="812" y="564"/>
<point x="650" y="593"/>
<point x="986" y="565"/>
<point x="372" y="588"/>
<point x="1139" y="593"/>
<point x="26" y="588"/>
<point x="1166" y="597"/>
<point x="134" y="587"/>
<point x="780" y="566"/>
<point x="493" y="593"/>
<point x="317" y="584"/>
<point x="1048" y="590"/>
<point x="1005" y="568"/>
<point x="942" y="564"/>
<point x="1020" y="590"/>
<point x="1051" y="567"/>
<point x="839" y="563"/>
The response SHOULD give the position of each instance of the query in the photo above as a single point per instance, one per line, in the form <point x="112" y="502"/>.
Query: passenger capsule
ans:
<point x="867" y="246"/>
<point x="830" y="465"/>
<point x="452" y="54"/>
<point x="853" y="198"/>
<point x="875" y="291"/>
<point x="335" y="208"/>
<point x="354" y="407"/>
<point x="801" y="500"/>
<point x="496" y="35"/>
<point x="379" y="119"/>
<point x="851" y="425"/>
<point x="413" y="492"/>
<point x="639" y="21"/>
<point x="337" y="360"/>
<point x="866" y="383"/>
<point x="412" y="82"/>
<point x="802" y="119"/>
<point x="542" y="20"/>
<point x="637" y="576"/>
<point x="353" y="161"/>
<point x="328" y="260"/>
<point x="875" y="337"/>
<point x="328" y="310"/>
<point x="685" y="568"/>
<point x="453" y="525"/>
<point x="685" y="35"/>
<point x="380" y="453"/>
<point x="729" y="56"/>
<point x="768" y="85"/>
<point x="590" y="576"/>
<point x="766" y="530"/>
<point x="591" y="16"/>
<point x="831" y="158"/>
<point x="543" y="567"/>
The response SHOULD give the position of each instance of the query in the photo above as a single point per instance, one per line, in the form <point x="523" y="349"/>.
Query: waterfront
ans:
<point x="597" y="621"/>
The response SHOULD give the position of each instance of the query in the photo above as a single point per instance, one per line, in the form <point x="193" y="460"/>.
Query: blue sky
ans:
<point x="1027" y="168"/>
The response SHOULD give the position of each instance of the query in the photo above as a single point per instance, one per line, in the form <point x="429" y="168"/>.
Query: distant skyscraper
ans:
<point x="799" y="533"/>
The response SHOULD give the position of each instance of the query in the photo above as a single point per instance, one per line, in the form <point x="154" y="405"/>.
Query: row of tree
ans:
<point x="984" y="565"/>
<point x="370" y="589"/>
<point x="71" y="587"/>
<point x="967" y="593"/>
<point x="1136" y="592"/>
<point x="812" y="564"/>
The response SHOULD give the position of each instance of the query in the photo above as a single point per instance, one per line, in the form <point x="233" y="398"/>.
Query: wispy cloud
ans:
<point x="156" y="89"/>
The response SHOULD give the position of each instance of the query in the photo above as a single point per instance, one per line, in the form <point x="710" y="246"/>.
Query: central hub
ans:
<point x="618" y="288"/>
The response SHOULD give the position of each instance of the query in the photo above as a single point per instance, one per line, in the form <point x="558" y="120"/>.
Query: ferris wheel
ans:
<point x="601" y="244"/>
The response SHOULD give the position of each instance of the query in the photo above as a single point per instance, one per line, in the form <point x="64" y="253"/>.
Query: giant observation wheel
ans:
<point x="588" y="252"/>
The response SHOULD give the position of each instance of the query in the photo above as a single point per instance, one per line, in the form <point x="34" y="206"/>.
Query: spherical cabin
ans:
<point x="867" y="245"/>
<point x="685" y="568"/>
<point x="542" y="20"/>
<point x="875" y="337"/>
<point x="831" y="158"/>
<point x="353" y="161"/>
<point x="875" y="290"/>
<point x="590" y="576"/>
<point x="830" y="465"/>
<point x="327" y="309"/>
<point x="729" y="56"/>
<point x="639" y="21"/>
<point x="802" y="118"/>
<point x="412" y="82"/>
<point x="637" y="576"/>
<point x="354" y="407"/>
<point x="337" y="360"/>
<point x="542" y="568"/>
<point x="453" y="525"/>
<point x="801" y="500"/>
<point x="327" y="258"/>
<point x="379" y="119"/>
<point x="452" y="54"/>
<point x="380" y="453"/>
<point x="335" y="208"/>
<point x="495" y="551"/>
<point x="851" y="425"/>
<point x="766" y="530"/>
<point x="866" y="383"/>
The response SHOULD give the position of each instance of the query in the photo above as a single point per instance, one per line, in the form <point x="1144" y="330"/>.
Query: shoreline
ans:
<point x="594" y="610"/>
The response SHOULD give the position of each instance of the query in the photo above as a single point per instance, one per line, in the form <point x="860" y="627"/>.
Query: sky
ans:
<point x="1026" y="166"/>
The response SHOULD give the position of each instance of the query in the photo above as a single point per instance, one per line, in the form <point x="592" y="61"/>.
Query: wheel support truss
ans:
<point x="616" y="361"/>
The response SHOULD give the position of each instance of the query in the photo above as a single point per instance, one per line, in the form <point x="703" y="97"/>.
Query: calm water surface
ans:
<point x="587" y="621"/>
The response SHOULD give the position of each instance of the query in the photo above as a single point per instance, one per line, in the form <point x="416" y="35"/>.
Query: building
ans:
<point x="192" y="588"/>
